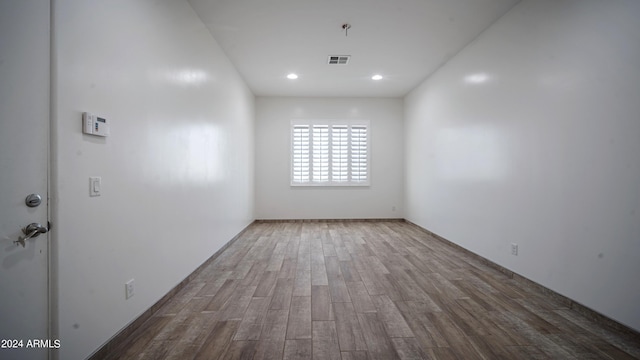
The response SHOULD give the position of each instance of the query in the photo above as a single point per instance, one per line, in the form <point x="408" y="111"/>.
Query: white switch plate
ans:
<point x="514" y="249"/>
<point x="95" y="186"/>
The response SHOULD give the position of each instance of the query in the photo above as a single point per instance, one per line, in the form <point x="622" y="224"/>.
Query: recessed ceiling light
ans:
<point x="376" y="77"/>
<point x="292" y="76"/>
<point x="476" y="78"/>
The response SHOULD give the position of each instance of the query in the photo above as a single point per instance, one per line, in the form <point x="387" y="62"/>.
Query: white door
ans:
<point x="24" y="152"/>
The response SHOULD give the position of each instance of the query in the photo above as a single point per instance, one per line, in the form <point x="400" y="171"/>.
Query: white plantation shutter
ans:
<point x="340" y="153"/>
<point x="300" y="154"/>
<point x="359" y="154"/>
<point x="320" y="153"/>
<point x="329" y="153"/>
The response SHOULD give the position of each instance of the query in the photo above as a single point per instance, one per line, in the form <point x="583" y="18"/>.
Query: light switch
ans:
<point x="95" y="184"/>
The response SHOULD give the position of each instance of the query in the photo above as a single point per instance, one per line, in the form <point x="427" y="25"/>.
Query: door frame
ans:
<point x="53" y="330"/>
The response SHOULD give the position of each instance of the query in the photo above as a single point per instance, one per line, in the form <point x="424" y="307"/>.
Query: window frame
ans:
<point x="330" y="124"/>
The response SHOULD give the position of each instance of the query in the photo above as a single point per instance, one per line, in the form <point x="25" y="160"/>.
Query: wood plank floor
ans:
<point x="364" y="290"/>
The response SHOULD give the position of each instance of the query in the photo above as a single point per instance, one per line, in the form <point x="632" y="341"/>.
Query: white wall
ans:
<point x="177" y="170"/>
<point x="544" y="153"/>
<point x="276" y="199"/>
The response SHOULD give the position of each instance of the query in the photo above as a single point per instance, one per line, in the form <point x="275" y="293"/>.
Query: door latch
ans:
<point x="31" y="231"/>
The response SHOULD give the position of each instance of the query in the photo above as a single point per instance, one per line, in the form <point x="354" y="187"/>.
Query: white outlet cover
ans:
<point x="129" y="289"/>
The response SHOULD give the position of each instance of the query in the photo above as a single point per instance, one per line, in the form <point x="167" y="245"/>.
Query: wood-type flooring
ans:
<point x="364" y="290"/>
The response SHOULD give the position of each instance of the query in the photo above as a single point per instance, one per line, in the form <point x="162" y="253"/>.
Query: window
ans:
<point x="329" y="153"/>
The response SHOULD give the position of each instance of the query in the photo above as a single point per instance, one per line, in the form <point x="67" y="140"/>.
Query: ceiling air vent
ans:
<point x="338" y="59"/>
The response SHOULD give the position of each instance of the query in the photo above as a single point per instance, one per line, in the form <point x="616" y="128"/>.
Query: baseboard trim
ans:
<point x="326" y="220"/>
<point x="570" y="303"/>
<point x="120" y="341"/>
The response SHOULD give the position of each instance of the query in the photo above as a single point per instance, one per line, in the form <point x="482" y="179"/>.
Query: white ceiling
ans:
<point x="402" y="40"/>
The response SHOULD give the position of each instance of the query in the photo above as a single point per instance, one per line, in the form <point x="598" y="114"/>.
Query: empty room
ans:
<point x="298" y="179"/>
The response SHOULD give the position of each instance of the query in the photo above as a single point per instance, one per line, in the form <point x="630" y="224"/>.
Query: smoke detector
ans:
<point x="338" y="59"/>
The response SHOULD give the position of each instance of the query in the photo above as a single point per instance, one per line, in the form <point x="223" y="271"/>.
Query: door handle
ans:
<point x="31" y="231"/>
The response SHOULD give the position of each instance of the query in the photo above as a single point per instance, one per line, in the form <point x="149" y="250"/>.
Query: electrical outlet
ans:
<point x="129" y="289"/>
<point x="514" y="249"/>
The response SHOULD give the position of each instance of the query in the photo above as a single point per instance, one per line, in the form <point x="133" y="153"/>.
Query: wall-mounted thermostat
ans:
<point x="94" y="125"/>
